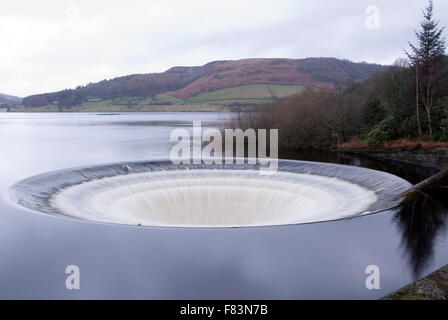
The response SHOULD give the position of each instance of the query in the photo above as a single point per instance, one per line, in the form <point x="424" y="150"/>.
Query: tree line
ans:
<point x="406" y="100"/>
<point x="143" y="85"/>
<point x="131" y="86"/>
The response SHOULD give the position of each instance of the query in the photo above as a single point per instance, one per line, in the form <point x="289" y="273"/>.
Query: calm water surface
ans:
<point x="323" y="261"/>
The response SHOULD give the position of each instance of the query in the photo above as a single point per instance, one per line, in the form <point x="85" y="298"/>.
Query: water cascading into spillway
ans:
<point x="159" y="193"/>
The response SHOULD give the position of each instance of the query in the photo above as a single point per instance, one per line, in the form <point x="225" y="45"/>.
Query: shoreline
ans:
<point x="122" y="108"/>
<point x="435" y="285"/>
<point x="428" y="158"/>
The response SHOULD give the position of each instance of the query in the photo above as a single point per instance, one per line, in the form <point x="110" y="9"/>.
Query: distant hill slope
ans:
<point x="337" y="71"/>
<point x="313" y="72"/>
<point x="185" y="83"/>
<point x="10" y="100"/>
<point x="245" y="94"/>
<point x="249" y="71"/>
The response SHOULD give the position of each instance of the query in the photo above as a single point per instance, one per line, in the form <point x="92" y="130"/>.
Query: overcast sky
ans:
<point x="49" y="45"/>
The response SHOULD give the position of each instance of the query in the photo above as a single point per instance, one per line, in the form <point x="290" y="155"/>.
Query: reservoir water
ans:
<point x="309" y="261"/>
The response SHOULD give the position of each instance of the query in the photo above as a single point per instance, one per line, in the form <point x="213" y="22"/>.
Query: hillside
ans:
<point x="204" y="84"/>
<point x="9" y="100"/>
<point x="250" y="71"/>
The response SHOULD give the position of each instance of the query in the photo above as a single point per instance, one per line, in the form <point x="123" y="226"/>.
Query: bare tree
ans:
<point x="417" y="101"/>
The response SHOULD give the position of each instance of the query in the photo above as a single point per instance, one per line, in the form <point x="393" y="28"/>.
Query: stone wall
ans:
<point x="431" y="287"/>
<point x="437" y="159"/>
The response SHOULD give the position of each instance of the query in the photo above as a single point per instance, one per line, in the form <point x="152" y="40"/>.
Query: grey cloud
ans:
<point x="51" y="45"/>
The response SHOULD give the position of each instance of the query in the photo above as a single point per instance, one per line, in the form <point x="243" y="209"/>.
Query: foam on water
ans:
<point x="160" y="194"/>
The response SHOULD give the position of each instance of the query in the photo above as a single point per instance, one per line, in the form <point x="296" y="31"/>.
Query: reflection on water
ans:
<point x="420" y="219"/>
<point x="315" y="261"/>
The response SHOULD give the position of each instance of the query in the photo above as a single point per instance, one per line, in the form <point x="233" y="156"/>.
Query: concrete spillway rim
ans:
<point x="15" y="191"/>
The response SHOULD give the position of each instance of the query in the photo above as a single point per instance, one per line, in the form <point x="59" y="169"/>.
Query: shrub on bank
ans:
<point x="382" y="132"/>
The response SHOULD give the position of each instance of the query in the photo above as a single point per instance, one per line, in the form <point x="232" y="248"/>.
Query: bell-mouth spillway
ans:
<point x="159" y="193"/>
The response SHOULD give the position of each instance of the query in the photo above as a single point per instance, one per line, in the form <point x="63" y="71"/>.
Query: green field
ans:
<point x="247" y="94"/>
<point x="225" y="99"/>
<point x="242" y="95"/>
<point x="161" y="98"/>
